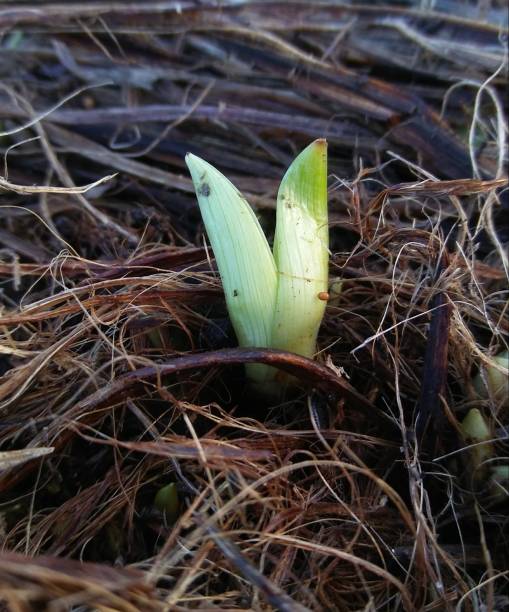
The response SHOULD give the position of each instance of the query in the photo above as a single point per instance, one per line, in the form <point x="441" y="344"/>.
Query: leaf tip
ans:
<point x="200" y="170"/>
<point x="192" y="160"/>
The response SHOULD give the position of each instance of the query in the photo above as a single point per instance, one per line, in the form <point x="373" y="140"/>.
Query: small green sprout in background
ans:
<point x="491" y="385"/>
<point x="491" y="382"/>
<point x="483" y="469"/>
<point x="475" y="431"/>
<point x="275" y="299"/>
<point x="167" y="502"/>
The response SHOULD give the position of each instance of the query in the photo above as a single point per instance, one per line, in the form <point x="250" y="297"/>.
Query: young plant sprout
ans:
<point x="491" y="382"/>
<point x="275" y="300"/>
<point x="301" y="252"/>
<point x="481" y="462"/>
<point x="474" y="430"/>
<point x="167" y="502"/>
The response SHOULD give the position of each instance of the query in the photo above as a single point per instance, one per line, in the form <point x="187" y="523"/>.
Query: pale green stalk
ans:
<point x="274" y="301"/>
<point x="301" y="252"/>
<point x="243" y="257"/>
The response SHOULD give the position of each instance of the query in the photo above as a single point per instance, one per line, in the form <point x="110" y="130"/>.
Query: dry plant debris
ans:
<point x="118" y="368"/>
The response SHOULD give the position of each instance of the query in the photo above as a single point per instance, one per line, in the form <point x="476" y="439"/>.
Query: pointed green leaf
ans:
<point x="301" y="251"/>
<point x="494" y="384"/>
<point x="243" y="256"/>
<point x="167" y="501"/>
<point x="475" y="430"/>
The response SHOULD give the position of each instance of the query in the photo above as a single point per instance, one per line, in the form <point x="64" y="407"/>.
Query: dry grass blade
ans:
<point x="13" y="458"/>
<point x="62" y="583"/>
<point x="274" y="596"/>
<point x="24" y="190"/>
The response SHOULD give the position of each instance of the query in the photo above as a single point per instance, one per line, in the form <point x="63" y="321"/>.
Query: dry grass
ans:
<point x="117" y="368"/>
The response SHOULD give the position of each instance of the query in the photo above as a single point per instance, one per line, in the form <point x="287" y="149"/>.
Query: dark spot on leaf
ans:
<point x="205" y="189"/>
<point x="235" y="293"/>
